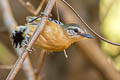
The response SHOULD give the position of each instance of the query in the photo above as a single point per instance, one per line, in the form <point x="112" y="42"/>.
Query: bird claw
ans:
<point x="44" y="14"/>
<point x="31" y="19"/>
<point x="29" y="50"/>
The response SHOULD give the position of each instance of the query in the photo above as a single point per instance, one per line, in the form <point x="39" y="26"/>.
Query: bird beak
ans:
<point x="87" y="36"/>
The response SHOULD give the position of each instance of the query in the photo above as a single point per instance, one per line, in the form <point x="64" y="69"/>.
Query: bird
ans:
<point x="55" y="36"/>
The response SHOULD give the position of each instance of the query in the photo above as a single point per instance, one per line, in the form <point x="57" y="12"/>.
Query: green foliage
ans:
<point x="6" y="56"/>
<point x="110" y="27"/>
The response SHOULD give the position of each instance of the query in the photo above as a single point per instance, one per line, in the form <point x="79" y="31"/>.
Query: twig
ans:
<point x="7" y="15"/>
<point x="31" y="8"/>
<point x="29" y="70"/>
<point x="57" y="12"/>
<point x="21" y="59"/>
<point x="90" y="49"/>
<point x="39" y="7"/>
<point x="41" y="61"/>
<point x="28" y="6"/>
<point x="11" y="24"/>
<point x="6" y="66"/>
<point x="100" y="37"/>
<point x="27" y="66"/>
<point x="96" y="56"/>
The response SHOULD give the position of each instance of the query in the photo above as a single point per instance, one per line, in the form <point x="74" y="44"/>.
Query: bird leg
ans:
<point x="39" y="16"/>
<point x="66" y="56"/>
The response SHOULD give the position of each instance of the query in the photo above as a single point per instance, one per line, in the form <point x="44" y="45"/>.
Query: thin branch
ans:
<point x="28" y="6"/>
<point x="31" y="8"/>
<point x="90" y="48"/>
<point x="40" y="27"/>
<point x="41" y="61"/>
<point x="29" y="70"/>
<point x="57" y="12"/>
<point x="94" y="54"/>
<point x="7" y="15"/>
<point x="11" y="24"/>
<point x="100" y="37"/>
<point x="39" y="7"/>
<point x="6" y="66"/>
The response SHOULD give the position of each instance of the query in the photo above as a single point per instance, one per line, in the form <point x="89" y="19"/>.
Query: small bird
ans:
<point x="55" y="36"/>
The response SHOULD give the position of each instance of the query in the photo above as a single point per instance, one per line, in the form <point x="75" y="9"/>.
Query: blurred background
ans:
<point x="87" y="59"/>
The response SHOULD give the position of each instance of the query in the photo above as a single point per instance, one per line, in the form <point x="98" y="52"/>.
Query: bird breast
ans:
<point x="52" y="38"/>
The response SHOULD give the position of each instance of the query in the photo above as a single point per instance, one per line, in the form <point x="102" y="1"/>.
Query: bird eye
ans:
<point x="75" y="30"/>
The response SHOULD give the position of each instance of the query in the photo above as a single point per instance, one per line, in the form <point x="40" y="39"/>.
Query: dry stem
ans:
<point x="57" y="12"/>
<point x="41" y="61"/>
<point x="31" y="8"/>
<point x="21" y="59"/>
<point x="11" y="24"/>
<point x="80" y="18"/>
<point x="35" y="12"/>
<point x="90" y="49"/>
<point x="6" y="66"/>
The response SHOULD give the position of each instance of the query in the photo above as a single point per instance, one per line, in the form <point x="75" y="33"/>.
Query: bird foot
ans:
<point x="29" y="50"/>
<point x="39" y="16"/>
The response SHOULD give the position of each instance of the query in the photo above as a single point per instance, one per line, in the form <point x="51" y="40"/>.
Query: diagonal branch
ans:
<point x="41" y="61"/>
<point x="90" y="48"/>
<point x="31" y="8"/>
<point x="21" y="59"/>
<point x="11" y="24"/>
<point x="80" y="18"/>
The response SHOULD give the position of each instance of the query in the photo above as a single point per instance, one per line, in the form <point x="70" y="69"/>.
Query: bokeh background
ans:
<point x="87" y="59"/>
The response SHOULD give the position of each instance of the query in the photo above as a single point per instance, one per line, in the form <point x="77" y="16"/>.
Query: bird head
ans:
<point x="75" y="32"/>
